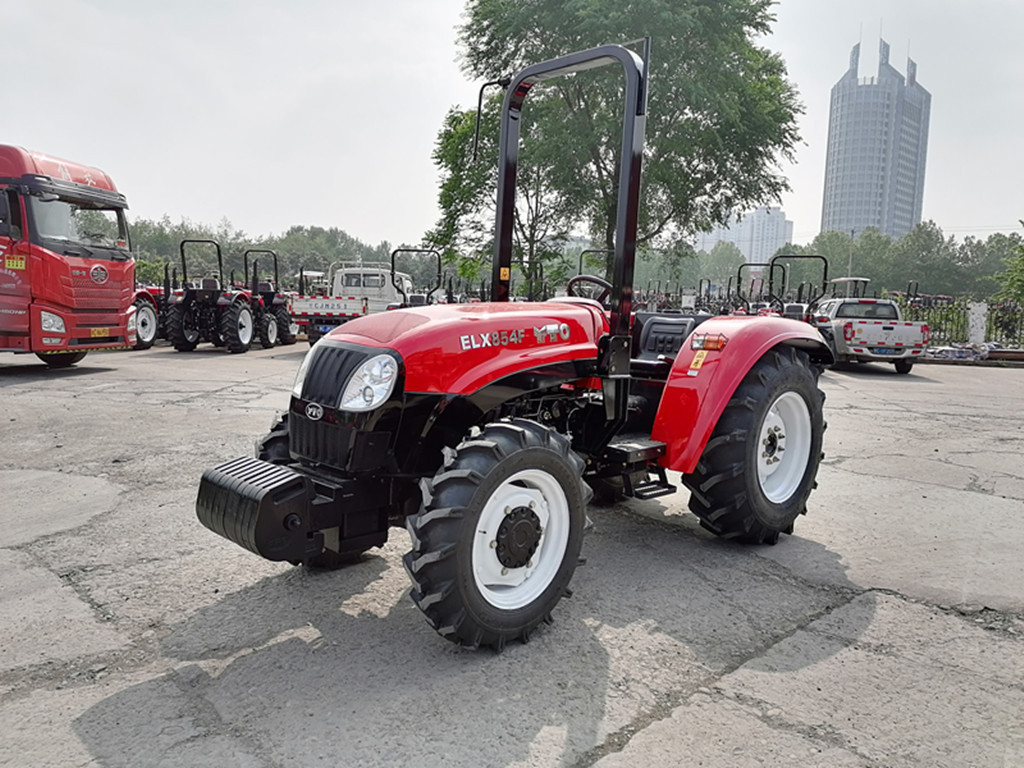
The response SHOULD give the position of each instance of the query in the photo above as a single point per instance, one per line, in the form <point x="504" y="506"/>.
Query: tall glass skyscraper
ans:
<point x="877" y="142"/>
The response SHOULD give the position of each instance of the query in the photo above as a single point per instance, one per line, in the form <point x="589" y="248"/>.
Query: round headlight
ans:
<point x="370" y="384"/>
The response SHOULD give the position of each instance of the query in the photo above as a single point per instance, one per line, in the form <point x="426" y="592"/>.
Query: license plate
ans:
<point x="885" y="351"/>
<point x="94" y="332"/>
<point x="326" y="328"/>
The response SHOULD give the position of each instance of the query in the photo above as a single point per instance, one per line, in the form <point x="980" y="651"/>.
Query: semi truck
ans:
<point x="67" y="276"/>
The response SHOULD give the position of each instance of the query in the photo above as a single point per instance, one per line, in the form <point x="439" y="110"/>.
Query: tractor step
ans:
<point x="652" y="489"/>
<point x="634" y="450"/>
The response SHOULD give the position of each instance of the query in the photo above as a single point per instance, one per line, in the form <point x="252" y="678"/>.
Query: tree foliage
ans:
<point x="1011" y="281"/>
<point x="721" y="114"/>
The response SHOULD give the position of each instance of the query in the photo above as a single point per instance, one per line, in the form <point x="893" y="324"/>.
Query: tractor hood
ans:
<point x="460" y="348"/>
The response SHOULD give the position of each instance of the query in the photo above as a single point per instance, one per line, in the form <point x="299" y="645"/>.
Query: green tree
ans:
<point x="1012" y="280"/>
<point x="721" y="112"/>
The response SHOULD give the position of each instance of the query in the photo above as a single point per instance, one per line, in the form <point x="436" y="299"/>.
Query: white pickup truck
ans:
<point x="353" y="290"/>
<point x="870" y="331"/>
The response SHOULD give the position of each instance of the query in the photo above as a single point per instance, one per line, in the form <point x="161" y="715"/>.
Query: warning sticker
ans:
<point x="506" y="273"/>
<point x="14" y="262"/>
<point x="697" y="362"/>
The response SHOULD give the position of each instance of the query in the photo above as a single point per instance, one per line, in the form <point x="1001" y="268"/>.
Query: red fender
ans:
<point x="699" y="387"/>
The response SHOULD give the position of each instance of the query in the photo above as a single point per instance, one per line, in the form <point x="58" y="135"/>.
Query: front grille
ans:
<point x="319" y="441"/>
<point x="328" y="371"/>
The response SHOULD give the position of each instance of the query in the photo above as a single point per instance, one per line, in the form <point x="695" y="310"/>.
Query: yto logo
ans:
<point x="314" y="411"/>
<point x="99" y="274"/>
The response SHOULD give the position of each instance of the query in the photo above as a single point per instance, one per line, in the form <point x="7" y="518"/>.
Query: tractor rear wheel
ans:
<point x="285" y="332"/>
<point x="496" y="544"/>
<point x="182" y="329"/>
<point x="236" y="327"/>
<point x="145" y="324"/>
<point x="759" y="465"/>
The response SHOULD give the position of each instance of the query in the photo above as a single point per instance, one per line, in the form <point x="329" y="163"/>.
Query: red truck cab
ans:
<point x="66" y="270"/>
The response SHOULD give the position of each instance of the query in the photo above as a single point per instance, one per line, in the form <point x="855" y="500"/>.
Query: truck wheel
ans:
<point x="62" y="359"/>
<point x="145" y="324"/>
<point x="903" y="366"/>
<point x="285" y="331"/>
<point x="759" y="465"/>
<point x="496" y="545"/>
<point x="236" y="327"/>
<point x="313" y="336"/>
<point x="182" y="330"/>
<point x="268" y="330"/>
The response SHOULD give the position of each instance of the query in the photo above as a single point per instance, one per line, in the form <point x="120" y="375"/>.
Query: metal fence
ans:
<point x="949" y="320"/>
<point x="1005" y="325"/>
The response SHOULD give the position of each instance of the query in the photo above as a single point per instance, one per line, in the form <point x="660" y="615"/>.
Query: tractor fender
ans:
<point x="146" y="296"/>
<point x="702" y="381"/>
<point x="229" y="299"/>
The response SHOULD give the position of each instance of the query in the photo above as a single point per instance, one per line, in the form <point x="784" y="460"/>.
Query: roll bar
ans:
<point x="220" y="259"/>
<point x="634" y="119"/>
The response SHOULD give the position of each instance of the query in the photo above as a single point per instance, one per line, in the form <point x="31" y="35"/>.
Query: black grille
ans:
<point x="320" y="441"/>
<point x="328" y="372"/>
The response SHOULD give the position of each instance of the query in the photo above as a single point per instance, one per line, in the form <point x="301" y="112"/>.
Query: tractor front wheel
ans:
<point x="759" y="465"/>
<point x="268" y="330"/>
<point x="285" y="327"/>
<point x="497" y="542"/>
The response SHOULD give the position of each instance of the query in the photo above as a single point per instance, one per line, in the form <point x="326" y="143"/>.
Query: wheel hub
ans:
<point x="518" y="537"/>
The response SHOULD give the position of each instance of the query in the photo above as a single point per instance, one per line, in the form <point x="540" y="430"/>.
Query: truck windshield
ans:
<point x="56" y="223"/>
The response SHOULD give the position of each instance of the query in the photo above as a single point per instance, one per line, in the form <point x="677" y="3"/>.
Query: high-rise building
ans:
<point x="877" y="142"/>
<point x="758" y="234"/>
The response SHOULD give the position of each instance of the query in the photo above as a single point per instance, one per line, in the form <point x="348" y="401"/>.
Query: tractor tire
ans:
<point x="273" y="447"/>
<point x="236" y="327"/>
<point x="285" y="331"/>
<point x="267" y="330"/>
<point x="182" y="329"/>
<point x="58" y="360"/>
<point x="903" y="366"/>
<point x="496" y="544"/>
<point x="759" y="466"/>
<point x="146" y="324"/>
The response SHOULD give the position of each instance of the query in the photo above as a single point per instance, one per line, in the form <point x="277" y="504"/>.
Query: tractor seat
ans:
<point x="209" y="284"/>
<point x="265" y="287"/>
<point x="657" y="341"/>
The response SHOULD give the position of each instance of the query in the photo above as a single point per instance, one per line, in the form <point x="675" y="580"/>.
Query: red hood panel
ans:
<point x="460" y="348"/>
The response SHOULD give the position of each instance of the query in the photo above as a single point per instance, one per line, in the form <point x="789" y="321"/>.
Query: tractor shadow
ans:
<point x="341" y="666"/>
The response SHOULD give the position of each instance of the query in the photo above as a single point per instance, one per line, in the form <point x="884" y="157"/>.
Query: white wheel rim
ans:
<point x="272" y="330"/>
<point x="145" y="323"/>
<point x="245" y="325"/>
<point x="783" y="447"/>
<point x="512" y="588"/>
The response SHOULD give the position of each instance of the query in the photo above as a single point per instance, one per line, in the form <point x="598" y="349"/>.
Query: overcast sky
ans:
<point x="324" y="112"/>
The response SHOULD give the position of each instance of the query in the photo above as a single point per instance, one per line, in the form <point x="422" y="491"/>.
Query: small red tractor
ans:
<point x="269" y="306"/>
<point x="483" y="428"/>
<point x="207" y="309"/>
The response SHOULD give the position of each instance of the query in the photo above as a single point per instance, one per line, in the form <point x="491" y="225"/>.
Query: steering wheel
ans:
<point x="604" y="285"/>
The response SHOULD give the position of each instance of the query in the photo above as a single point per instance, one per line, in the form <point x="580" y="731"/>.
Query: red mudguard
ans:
<point x="699" y="386"/>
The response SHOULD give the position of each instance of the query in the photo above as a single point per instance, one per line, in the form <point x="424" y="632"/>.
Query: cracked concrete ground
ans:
<point x="887" y="631"/>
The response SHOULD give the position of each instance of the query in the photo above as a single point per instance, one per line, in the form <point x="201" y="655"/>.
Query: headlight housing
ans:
<point x="51" y="323"/>
<point x="300" y="375"/>
<point x="370" y="384"/>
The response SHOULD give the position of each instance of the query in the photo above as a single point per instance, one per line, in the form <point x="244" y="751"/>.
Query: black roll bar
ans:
<point x="633" y="126"/>
<point x="395" y="283"/>
<point x="220" y="260"/>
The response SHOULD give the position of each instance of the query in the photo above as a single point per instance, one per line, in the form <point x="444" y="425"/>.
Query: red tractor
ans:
<point x="207" y="309"/>
<point x="482" y="428"/>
